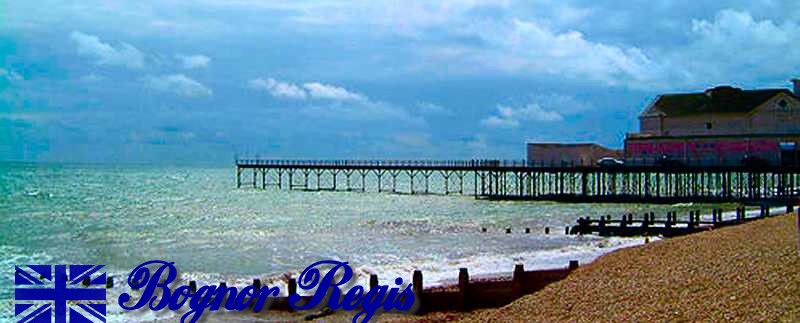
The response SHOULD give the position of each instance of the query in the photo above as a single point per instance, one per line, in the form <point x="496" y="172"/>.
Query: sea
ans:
<point x="195" y="216"/>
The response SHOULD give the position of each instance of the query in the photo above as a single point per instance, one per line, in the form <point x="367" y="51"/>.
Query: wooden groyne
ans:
<point x="527" y="180"/>
<point x="466" y="295"/>
<point x="483" y="293"/>
<point x="647" y="225"/>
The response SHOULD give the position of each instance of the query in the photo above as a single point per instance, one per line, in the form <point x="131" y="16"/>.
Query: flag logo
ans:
<point x="59" y="293"/>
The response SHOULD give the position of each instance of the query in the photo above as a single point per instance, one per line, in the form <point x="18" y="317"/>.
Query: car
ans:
<point x="609" y="162"/>
<point x="753" y="161"/>
<point x="667" y="161"/>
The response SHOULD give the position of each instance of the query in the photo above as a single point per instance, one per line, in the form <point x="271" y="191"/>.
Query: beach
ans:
<point x="749" y="272"/>
<point x="744" y="273"/>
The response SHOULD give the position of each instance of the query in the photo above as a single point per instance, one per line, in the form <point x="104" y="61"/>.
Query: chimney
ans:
<point x="796" y="83"/>
<point x="723" y="92"/>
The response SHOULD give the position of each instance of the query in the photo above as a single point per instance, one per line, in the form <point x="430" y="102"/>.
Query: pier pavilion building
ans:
<point x="722" y="126"/>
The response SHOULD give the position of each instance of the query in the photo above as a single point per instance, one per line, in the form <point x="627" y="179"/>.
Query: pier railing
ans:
<point x="389" y="163"/>
<point x="629" y="164"/>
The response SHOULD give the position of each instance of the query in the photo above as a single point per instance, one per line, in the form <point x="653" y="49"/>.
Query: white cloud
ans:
<point x="413" y="139"/>
<point x="431" y="108"/>
<point x="528" y="47"/>
<point x="278" y="89"/>
<point x="566" y="105"/>
<point x="325" y="91"/>
<point x="105" y="54"/>
<point x="510" y="117"/>
<point x="734" y="46"/>
<point x="10" y="75"/>
<point x="311" y="90"/>
<point x="179" y="84"/>
<point x="193" y="61"/>
<point x="327" y="102"/>
<point x="739" y="27"/>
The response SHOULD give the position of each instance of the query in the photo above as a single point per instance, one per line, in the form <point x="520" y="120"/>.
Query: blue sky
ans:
<point x="199" y="81"/>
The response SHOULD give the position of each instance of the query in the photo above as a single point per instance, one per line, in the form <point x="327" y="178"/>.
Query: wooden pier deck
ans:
<point x="525" y="180"/>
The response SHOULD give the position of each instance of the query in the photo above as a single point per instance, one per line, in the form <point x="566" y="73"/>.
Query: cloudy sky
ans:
<point x="201" y="81"/>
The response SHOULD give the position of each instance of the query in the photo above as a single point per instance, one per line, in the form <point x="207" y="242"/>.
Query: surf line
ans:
<point x="155" y="276"/>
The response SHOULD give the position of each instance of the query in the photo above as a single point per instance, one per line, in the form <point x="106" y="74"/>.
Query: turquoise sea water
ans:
<point x="121" y="216"/>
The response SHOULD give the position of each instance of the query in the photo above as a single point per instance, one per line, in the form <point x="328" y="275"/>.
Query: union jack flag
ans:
<point x="44" y="292"/>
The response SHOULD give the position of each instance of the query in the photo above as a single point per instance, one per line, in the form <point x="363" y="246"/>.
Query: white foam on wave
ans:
<point x="440" y="273"/>
<point x="435" y="273"/>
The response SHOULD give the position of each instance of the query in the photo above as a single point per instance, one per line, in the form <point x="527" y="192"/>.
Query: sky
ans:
<point x="205" y="81"/>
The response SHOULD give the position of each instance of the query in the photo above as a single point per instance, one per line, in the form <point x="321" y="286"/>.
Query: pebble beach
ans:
<point x="749" y="273"/>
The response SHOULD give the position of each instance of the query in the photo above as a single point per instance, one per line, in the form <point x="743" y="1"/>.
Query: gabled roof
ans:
<point x="722" y="99"/>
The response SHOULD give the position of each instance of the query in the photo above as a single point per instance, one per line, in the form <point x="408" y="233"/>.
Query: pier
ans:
<point x="526" y="180"/>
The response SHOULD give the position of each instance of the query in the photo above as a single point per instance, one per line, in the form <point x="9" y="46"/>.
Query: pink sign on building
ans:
<point x="670" y="147"/>
<point x="732" y="147"/>
<point x="764" y="146"/>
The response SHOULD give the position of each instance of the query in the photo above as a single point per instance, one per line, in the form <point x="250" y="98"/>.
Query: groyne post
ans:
<point x="373" y="281"/>
<point x="417" y="288"/>
<point x="292" y="286"/>
<point x="798" y="232"/>
<point x="714" y="216"/>
<point x="224" y="287"/>
<point x="463" y="288"/>
<point x="573" y="264"/>
<point x="238" y="177"/>
<point x="256" y="285"/>
<point x="517" y="281"/>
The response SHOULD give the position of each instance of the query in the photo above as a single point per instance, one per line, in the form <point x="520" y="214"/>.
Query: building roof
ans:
<point x="551" y="145"/>
<point x="559" y="144"/>
<point x="721" y="99"/>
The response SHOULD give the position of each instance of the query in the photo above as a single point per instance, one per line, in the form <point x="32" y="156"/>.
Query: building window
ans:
<point x="783" y="103"/>
<point x="708" y="125"/>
